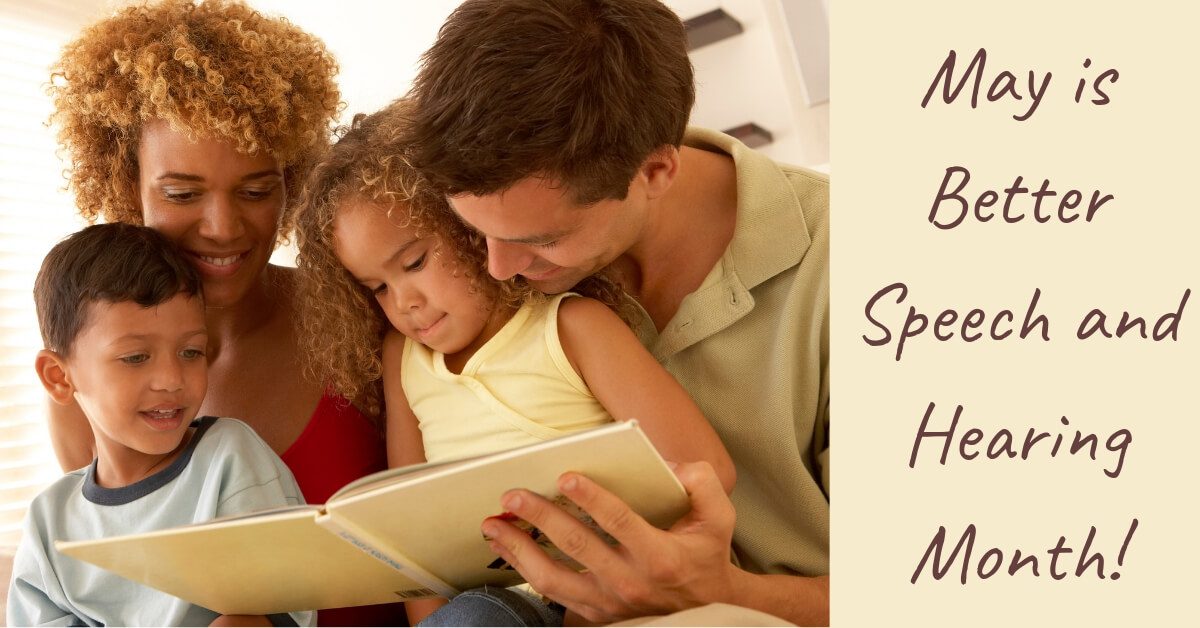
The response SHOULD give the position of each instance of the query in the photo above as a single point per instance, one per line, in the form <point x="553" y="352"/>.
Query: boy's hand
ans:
<point x="651" y="572"/>
<point x="241" y="620"/>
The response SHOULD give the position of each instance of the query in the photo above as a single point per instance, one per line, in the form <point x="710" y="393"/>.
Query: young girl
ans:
<point x="397" y="291"/>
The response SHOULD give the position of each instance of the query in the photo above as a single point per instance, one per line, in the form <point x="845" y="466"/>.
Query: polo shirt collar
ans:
<point x="770" y="235"/>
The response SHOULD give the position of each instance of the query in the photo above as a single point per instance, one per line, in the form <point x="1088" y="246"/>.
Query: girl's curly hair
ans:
<point x="216" y="69"/>
<point x="341" y="323"/>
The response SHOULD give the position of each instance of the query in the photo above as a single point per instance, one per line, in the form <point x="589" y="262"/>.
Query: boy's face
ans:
<point x="536" y="230"/>
<point x="140" y="374"/>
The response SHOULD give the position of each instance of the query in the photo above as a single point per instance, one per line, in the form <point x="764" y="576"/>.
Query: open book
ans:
<point x="391" y="536"/>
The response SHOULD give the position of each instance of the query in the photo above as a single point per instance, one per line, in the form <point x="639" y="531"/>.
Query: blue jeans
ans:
<point x="495" y="606"/>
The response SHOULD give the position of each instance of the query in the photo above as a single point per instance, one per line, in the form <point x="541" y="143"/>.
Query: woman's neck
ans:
<point x="256" y="310"/>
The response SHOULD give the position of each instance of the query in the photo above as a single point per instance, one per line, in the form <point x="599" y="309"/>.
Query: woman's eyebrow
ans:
<point x="262" y="173"/>
<point x="181" y="176"/>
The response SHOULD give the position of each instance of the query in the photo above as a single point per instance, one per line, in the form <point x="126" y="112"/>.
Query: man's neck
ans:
<point x="687" y="231"/>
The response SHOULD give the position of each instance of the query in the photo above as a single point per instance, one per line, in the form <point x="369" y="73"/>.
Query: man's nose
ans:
<point x="506" y="259"/>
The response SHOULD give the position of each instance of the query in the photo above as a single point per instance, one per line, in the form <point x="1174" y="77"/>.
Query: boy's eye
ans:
<point x="191" y="354"/>
<point x="417" y="264"/>
<point x="136" y="358"/>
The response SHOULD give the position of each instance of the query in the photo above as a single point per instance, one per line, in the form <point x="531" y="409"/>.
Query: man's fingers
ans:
<point x="549" y="577"/>
<point x="611" y="514"/>
<point x="711" y="506"/>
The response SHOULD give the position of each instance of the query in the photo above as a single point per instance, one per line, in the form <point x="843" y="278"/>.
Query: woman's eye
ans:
<point x="180" y="196"/>
<point x="380" y="290"/>
<point x="191" y="354"/>
<point x="417" y="264"/>
<point x="257" y="194"/>
<point x="136" y="358"/>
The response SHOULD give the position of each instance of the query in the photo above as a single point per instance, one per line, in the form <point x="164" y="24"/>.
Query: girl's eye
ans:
<point x="380" y="290"/>
<point x="191" y="354"/>
<point x="417" y="264"/>
<point x="136" y="358"/>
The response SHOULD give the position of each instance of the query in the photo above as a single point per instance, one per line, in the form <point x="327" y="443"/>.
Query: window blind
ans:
<point x="35" y="212"/>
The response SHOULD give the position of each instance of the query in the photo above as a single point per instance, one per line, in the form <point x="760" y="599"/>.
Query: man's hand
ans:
<point x="651" y="572"/>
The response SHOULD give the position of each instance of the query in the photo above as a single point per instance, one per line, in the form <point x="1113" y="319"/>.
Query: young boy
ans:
<point x="122" y="318"/>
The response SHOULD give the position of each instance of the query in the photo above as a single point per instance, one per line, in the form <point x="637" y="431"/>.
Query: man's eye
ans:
<point x="417" y="264"/>
<point x="547" y="245"/>
<point x="136" y="358"/>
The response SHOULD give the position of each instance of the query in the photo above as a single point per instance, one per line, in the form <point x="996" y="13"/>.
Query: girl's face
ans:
<point x="414" y="279"/>
<point x="220" y="206"/>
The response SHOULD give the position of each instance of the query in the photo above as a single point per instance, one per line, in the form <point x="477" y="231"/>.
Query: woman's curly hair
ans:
<point x="341" y="323"/>
<point x="216" y="69"/>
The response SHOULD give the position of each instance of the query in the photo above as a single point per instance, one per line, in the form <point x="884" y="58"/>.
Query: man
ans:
<point x="558" y="130"/>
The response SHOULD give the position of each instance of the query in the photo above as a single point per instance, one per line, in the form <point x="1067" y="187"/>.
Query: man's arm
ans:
<point x="652" y="571"/>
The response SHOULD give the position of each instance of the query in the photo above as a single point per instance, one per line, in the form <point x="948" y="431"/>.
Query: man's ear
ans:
<point x="52" y="370"/>
<point x="660" y="170"/>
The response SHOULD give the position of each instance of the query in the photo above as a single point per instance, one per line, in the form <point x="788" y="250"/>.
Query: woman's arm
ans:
<point x="403" y="442"/>
<point x="631" y="384"/>
<point x="71" y="435"/>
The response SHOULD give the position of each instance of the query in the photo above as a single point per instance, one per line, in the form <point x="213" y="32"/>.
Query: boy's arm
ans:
<point x="403" y="442"/>
<point x="30" y="601"/>
<point x="631" y="384"/>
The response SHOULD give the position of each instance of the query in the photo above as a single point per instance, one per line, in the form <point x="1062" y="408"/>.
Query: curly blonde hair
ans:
<point x="341" y="323"/>
<point x="217" y="69"/>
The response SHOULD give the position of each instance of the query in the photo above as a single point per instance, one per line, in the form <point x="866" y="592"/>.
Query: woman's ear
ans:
<point x="52" y="370"/>
<point x="660" y="170"/>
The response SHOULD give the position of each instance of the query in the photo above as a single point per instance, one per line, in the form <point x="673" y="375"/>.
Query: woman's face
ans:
<point x="220" y="206"/>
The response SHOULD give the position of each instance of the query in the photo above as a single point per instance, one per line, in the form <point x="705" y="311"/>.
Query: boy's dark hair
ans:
<point x="579" y="91"/>
<point x="111" y="262"/>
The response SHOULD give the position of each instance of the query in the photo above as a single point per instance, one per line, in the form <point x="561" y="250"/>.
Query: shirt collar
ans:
<point x="770" y="235"/>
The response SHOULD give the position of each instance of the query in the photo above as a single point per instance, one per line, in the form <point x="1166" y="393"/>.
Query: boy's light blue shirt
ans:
<point x="227" y="469"/>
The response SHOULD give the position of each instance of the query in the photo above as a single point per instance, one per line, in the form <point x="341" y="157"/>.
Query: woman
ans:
<point x="201" y="121"/>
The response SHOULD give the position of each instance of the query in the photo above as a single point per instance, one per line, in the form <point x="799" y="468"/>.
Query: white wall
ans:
<point x="753" y="77"/>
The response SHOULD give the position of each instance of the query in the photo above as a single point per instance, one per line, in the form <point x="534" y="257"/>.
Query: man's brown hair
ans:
<point x="576" y="91"/>
<point x="111" y="262"/>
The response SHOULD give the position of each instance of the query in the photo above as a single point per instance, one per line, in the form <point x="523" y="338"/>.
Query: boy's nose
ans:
<point x="168" y="376"/>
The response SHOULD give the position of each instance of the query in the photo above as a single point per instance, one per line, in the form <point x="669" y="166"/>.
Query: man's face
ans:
<point x="536" y="230"/>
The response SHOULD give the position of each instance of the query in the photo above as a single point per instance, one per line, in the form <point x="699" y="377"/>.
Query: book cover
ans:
<point x="395" y="535"/>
